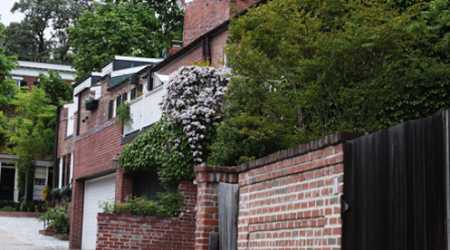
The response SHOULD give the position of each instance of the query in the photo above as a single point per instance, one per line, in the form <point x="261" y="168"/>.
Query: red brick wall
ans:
<point x="287" y="199"/>
<point x="144" y="232"/>
<point x="95" y="149"/>
<point x="217" y="44"/>
<point x="194" y="56"/>
<point x="149" y="232"/>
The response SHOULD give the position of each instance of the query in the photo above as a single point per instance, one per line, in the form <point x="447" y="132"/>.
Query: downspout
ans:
<point x="55" y="151"/>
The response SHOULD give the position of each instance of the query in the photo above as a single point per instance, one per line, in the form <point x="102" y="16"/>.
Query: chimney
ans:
<point x="202" y="16"/>
<point x="176" y="46"/>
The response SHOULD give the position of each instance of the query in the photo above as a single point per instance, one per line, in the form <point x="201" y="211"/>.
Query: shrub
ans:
<point x="168" y="206"/>
<point x="56" y="194"/>
<point x="32" y="207"/>
<point x="7" y="208"/>
<point x="39" y="207"/>
<point x="47" y="194"/>
<point x="17" y="206"/>
<point x="58" y="219"/>
<point x="23" y="204"/>
<point x="6" y="204"/>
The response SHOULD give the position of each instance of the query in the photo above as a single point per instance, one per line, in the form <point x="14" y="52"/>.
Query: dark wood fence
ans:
<point x="395" y="188"/>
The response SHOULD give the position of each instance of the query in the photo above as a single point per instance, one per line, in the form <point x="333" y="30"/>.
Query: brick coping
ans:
<point x="326" y="141"/>
<point x="18" y="214"/>
<point x="142" y="218"/>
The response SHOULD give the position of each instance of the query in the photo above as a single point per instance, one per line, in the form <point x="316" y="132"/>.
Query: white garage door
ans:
<point x="95" y="191"/>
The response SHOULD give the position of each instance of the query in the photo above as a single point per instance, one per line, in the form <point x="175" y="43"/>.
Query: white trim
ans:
<point x="127" y="71"/>
<point x="42" y="163"/>
<point x="17" y="78"/>
<point x="16" y="188"/>
<point x="46" y="177"/>
<point x="98" y="92"/>
<point x="138" y="59"/>
<point x="71" y="167"/>
<point x="60" y="172"/>
<point x="164" y="78"/>
<point x="39" y="65"/>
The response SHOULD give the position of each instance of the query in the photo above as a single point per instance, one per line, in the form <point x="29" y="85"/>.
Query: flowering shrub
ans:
<point x="194" y="101"/>
<point x="180" y="140"/>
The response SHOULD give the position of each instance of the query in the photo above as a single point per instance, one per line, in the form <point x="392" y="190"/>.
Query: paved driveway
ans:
<point x="23" y="233"/>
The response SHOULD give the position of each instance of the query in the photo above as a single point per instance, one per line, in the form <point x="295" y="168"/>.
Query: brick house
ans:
<point x="27" y="75"/>
<point x="89" y="144"/>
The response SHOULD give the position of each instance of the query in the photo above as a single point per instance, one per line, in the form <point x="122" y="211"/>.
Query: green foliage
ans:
<point x="56" y="90"/>
<point x="28" y="40"/>
<point x="39" y="207"/>
<point x="17" y="206"/>
<point x="30" y="132"/>
<point x="5" y="203"/>
<point x="47" y="194"/>
<point x="23" y="204"/>
<point x="315" y="68"/>
<point x="168" y="206"/>
<point x="56" y="193"/>
<point x="58" y="219"/>
<point x="124" y="117"/>
<point x="120" y="28"/>
<point x="8" y="209"/>
<point x="8" y="87"/>
<point x="156" y="148"/>
<point x="66" y="193"/>
<point x="31" y="207"/>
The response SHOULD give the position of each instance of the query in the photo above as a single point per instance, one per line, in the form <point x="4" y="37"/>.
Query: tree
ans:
<point x="119" y="28"/>
<point x="324" y="67"/>
<point x="8" y="87"/>
<point x="21" y="43"/>
<point x="30" y="128"/>
<point x="40" y="15"/>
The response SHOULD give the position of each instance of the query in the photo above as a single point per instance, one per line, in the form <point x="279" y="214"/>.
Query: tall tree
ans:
<point x="21" y="42"/>
<point x="51" y="16"/>
<point x="325" y="67"/>
<point x="120" y="28"/>
<point x="8" y="87"/>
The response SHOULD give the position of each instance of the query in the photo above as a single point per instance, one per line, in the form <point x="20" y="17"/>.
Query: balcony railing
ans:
<point x="145" y="110"/>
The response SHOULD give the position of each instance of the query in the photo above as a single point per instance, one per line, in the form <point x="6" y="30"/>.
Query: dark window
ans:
<point x="133" y="94"/>
<point x="63" y="169"/>
<point x="23" y="84"/>
<point x="35" y="83"/>
<point x="118" y="101"/>
<point x="124" y="96"/>
<point x="67" y="177"/>
<point x="57" y="173"/>
<point x="140" y="88"/>
<point x="146" y="183"/>
<point x="110" y="109"/>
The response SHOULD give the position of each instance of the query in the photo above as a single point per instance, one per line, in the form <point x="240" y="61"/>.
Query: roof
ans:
<point x="47" y="66"/>
<point x="86" y="77"/>
<point x="198" y="41"/>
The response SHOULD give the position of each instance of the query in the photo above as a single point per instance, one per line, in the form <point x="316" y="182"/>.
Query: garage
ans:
<point x="95" y="191"/>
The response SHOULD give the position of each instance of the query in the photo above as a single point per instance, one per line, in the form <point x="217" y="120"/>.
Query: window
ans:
<point x="124" y="97"/>
<point x="21" y="84"/>
<point x="133" y="94"/>
<point x="110" y="109"/>
<point x="140" y="89"/>
<point x="146" y="183"/>
<point x="118" y="101"/>
<point x="65" y="171"/>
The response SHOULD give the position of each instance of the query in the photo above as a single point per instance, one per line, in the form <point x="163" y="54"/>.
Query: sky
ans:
<point x="5" y="12"/>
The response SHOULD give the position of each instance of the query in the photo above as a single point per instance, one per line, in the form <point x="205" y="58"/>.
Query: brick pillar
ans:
<point x="207" y="216"/>
<point x="76" y="215"/>
<point x="124" y="184"/>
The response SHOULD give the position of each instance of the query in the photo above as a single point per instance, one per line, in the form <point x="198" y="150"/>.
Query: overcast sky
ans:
<point x="5" y="12"/>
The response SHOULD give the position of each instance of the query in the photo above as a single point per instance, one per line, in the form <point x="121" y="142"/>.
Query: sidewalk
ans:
<point x="23" y="233"/>
<point x="9" y="242"/>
